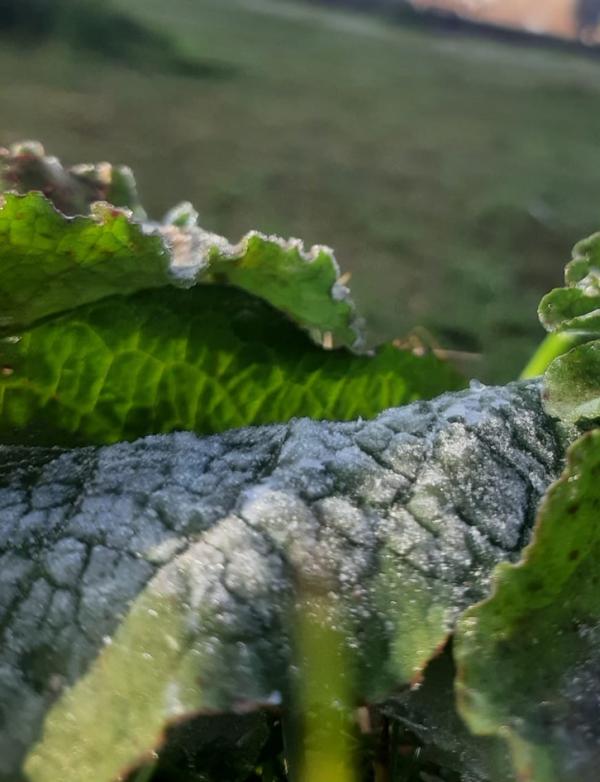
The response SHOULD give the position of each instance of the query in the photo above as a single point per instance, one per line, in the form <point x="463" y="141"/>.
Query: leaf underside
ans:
<point x="204" y="360"/>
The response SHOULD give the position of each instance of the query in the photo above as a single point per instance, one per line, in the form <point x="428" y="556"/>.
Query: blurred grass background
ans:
<point x="451" y="174"/>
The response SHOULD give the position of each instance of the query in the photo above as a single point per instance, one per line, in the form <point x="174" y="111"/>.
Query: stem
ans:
<point x="145" y="774"/>
<point x="291" y="726"/>
<point x="553" y="346"/>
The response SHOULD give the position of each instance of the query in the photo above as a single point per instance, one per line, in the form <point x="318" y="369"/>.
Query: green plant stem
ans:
<point x="552" y="346"/>
<point x="291" y="725"/>
<point x="145" y="774"/>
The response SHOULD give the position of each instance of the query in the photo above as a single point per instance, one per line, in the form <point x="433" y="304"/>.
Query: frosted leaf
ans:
<point x="197" y="552"/>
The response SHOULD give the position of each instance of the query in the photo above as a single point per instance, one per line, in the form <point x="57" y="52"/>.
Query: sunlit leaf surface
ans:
<point x="205" y="360"/>
<point x="50" y="263"/>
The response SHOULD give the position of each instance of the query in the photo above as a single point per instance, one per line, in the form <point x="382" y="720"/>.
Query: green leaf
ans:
<point x="50" y="263"/>
<point x="143" y="583"/>
<point x="209" y="359"/>
<point x="577" y="306"/>
<point x="304" y="286"/>
<point x="572" y="385"/>
<point x="572" y="380"/>
<point x="529" y="657"/>
<point x="570" y="309"/>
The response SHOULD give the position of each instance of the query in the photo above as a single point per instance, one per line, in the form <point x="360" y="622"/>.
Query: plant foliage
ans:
<point x="204" y="360"/>
<point x="147" y="585"/>
<point x="116" y="328"/>
<point x="573" y="380"/>
<point x="545" y="609"/>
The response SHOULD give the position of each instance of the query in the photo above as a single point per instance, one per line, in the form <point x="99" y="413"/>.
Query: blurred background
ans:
<point x="449" y="151"/>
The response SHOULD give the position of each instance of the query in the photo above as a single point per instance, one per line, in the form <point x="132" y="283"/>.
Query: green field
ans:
<point x="451" y="175"/>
